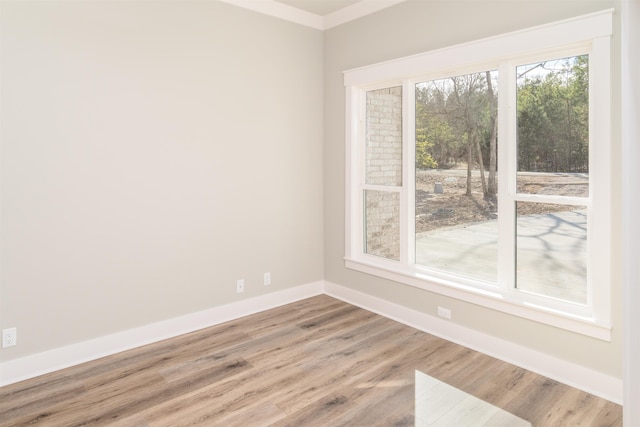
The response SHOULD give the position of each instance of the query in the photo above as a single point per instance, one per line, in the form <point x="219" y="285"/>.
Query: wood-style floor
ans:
<point x="316" y="362"/>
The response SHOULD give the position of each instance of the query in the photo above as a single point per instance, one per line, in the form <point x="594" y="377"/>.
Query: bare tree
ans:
<point x="470" y="105"/>
<point x="481" y="165"/>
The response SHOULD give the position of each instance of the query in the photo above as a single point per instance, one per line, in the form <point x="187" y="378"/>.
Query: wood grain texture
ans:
<point x="316" y="362"/>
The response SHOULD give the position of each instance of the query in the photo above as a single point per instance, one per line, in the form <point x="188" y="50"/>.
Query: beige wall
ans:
<point x="417" y="26"/>
<point x="152" y="154"/>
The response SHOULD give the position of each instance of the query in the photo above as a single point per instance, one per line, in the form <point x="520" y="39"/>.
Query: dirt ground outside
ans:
<point x="453" y="207"/>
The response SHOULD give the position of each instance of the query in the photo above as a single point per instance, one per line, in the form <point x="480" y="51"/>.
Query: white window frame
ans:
<point x="590" y="34"/>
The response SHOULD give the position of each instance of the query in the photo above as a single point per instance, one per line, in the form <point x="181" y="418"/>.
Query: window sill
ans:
<point x="486" y="298"/>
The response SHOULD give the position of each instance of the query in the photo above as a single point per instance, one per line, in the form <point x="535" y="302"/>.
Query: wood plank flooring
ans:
<point x="316" y="362"/>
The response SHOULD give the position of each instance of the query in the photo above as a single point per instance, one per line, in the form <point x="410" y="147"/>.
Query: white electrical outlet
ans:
<point x="444" y="312"/>
<point x="240" y="286"/>
<point x="267" y="279"/>
<point x="9" y="337"/>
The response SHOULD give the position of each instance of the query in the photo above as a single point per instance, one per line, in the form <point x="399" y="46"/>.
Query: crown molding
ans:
<point x="308" y="19"/>
<point x="356" y="11"/>
<point x="282" y="11"/>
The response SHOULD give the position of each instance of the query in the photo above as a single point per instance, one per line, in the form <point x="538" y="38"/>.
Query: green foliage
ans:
<point x="424" y="160"/>
<point x="435" y="141"/>
<point x="553" y="122"/>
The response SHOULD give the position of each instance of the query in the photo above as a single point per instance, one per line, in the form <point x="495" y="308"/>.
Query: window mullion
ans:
<point x="507" y="157"/>
<point x="408" y="217"/>
<point x="360" y="142"/>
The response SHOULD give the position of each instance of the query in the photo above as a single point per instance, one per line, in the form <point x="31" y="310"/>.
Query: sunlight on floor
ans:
<point x="439" y="404"/>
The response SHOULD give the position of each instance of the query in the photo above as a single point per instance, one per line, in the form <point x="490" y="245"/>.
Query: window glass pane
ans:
<point x="382" y="224"/>
<point x="553" y="127"/>
<point x="384" y="137"/>
<point x="456" y="175"/>
<point x="551" y="255"/>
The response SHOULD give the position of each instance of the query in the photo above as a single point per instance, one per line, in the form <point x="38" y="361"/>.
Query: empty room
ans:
<point x="319" y="213"/>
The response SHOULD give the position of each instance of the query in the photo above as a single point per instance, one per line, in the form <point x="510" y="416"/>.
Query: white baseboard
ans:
<point x="52" y="360"/>
<point x="577" y="376"/>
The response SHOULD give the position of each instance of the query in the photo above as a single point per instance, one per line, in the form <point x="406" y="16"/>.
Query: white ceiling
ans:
<point x="319" y="7"/>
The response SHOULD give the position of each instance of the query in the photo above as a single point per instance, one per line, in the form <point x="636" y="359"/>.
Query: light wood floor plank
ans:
<point x="315" y="362"/>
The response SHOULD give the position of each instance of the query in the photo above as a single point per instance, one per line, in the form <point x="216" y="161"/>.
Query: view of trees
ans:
<point x="456" y="121"/>
<point x="553" y="122"/>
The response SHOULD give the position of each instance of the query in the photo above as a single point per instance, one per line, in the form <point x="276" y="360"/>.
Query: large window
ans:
<point x="489" y="183"/>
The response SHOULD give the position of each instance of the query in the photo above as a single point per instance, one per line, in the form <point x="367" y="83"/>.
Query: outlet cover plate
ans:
<point x="9" y="337"/>
<point x="444" y="312"/>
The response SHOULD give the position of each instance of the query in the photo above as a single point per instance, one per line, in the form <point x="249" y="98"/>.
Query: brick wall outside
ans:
<point x="383" y="167"/>
<point x="384" y="136"/>
<point x="383" y="224"/>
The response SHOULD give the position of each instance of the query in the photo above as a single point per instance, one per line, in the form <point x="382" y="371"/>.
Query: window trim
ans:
<point x="584" y="34"/>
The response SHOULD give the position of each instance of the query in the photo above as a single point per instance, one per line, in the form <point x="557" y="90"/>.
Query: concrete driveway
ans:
<point x="551" y="252"/>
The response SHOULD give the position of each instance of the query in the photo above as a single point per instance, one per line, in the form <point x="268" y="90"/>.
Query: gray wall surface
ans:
<point x="152" y="154"/>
